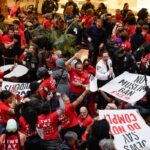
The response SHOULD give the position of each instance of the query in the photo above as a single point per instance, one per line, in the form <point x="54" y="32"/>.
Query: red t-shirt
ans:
<point x="12" y="142"/>
<point x="4" y="117"/>
<point x="51" y="61"/>
<point x="86" y="121"/>
<point x="1" y="37"/>
<point x="22" y="26"/>
<point x="131" y="29"/>
<point x="47" y="84"/>
<point x="49" y="125"/>
<point x="69" y="118"/>
<point x="46" y="23"/>
<point x="147" y="38"/>
<point x="90" y="69"/>
<point x="24" y="127"/>
<point x="81" y="78"/>
<point x="6" y="39"/>
<point x="126" y="45"/>
<point x="118" y="18"/>
<point x="22" y="36"/>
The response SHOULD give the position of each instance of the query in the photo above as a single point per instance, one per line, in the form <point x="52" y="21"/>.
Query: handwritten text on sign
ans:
<point x="127" y="87"/>
<point x="128" y="127"/>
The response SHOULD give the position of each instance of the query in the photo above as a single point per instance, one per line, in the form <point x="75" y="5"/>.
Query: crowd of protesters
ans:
<point x="59" y="112"/>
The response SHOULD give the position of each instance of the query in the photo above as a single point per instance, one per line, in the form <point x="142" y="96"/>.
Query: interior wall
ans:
<point x="111" y="4"/>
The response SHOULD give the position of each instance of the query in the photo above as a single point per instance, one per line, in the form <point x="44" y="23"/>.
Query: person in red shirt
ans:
<point x="69" y="120"/>
<point x="12" y="139"/>
<point x="125" y="45"/>
<point x="51" y="59"/>
<point x="47" y="85"/>
<point x="47" y="21"/>
<point x="118" y="16"/>
<point x="88" y="18"/>
<point x="88" y="68"/>
<point x="47" y="125"/>
<point x="84" y="119"/>
<point x="16" y="9"/>
<point x="6" y="112"/>
<point x="78" y="78"/>
<point x="12" y="45"/>
<point x="27" y="122"/>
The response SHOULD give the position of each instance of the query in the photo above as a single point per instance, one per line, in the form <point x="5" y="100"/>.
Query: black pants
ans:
<point x="101" y="102"/>
<point x="33" y="143"/>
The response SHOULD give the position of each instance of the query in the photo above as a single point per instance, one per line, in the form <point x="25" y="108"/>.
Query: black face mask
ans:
<point x="86" y="65"/>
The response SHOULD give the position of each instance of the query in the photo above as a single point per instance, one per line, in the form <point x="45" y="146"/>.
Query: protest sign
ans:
<point x="128" y="128"/>
<point x="17" y="72"/>
<point x="127" y="87"/>
<point x="93" y="84"/>
<point x="22" y="88"/>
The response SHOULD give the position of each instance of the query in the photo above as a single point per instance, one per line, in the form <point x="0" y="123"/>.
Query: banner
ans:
<point x="127" y="87"/>
<point x="22" y="88"/>
<point x="128" y="128"/>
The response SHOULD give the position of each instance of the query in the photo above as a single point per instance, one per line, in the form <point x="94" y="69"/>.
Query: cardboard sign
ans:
<point x="93" y="84"/>
<point x="22" y="88"/>
<point x="17" y="72"/>
<point x="128" y="128"/>
<point x="127" y="87"/>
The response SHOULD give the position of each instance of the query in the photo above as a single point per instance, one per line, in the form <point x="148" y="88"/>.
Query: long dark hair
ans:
<point x="100" y="129"/>
<point x="30" y="116"/>
<point x="46" y="109"/>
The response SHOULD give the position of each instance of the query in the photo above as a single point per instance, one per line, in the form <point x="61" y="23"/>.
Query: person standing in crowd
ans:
<point x="6" y="112"/>
<point x="137" y="39"/>
<point x="70" y="140"/>
<point x="100" y="130"/>
<point x="88" y="67"/>
<point x="69" y="119"/>
<point x="27" y="123"/>
<point x="104" y="73"/>
<point x="118" y="16"/>
<point x="78" y="78"/>
<point x="96" y="36"/>
<point x="104" y="70"/>
<point x="101" y="9"/>
<point x="16" y="9"/>
<point x="61" y="77"/>
<point x="11" y="44"/>
<point x="49" y="6"/>
<point x="47" y="85"/>
<point x="47" y="125"/>
<point x="87" y="5"/>
<point x="125" y="10"/>
<point x="107" y="144"/>
<point x="84" y="119"/>
<point x="30" y="59"/>
<point x="20" y="32"/>
<point x="75" y="10"/>
<point x="12" y="138"/>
